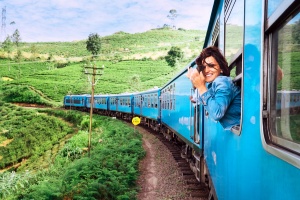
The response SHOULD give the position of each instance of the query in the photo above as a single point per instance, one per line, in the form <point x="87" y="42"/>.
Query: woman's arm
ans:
<point x="217" y="98"/>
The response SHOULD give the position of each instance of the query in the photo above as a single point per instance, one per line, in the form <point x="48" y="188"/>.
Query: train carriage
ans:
<point x="100" y="104"/>
<point x="72" y="101"/>
<point x="147" y="106"/>
<point x="121" y="105"/>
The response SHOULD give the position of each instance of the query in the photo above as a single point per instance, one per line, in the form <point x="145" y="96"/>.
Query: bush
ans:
<point x="174" y="55"/>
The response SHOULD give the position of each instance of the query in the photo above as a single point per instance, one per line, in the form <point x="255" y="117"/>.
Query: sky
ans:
<point x="73" y="20"/>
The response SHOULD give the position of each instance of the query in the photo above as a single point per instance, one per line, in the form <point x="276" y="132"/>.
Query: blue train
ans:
<point x="261" y="160"/>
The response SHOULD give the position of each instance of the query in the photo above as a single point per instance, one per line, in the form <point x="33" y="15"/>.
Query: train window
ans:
<point x="234" y="41"/>
<point x="173" y="97"/>
<point x="272" y="5"/>
<point x="149" y="101"/>
<point x="234" y="29"/>
<point x="284" y="82"/>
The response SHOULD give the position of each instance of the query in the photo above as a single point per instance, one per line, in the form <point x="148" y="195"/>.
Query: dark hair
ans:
<point x="216" y="53"/>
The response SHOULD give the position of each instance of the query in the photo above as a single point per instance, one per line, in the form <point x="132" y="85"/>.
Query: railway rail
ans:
<point x="195" y="188"/>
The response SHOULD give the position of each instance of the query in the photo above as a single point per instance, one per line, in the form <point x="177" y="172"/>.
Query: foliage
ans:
<point x="93" y="44"/>
<point x="172" y="16"/>
<point x="71" y="116"/>
<point x="11" y="182"/>
<point x="31" y="133"/>
<point x="174" y="56"/>
<point x="21" y="94"/>
<point x="132" y="46"/>
<point x="53" y="84"/>
<point x="109" y="173"/>
<point x="73" y="148"/>
<point x="122" y="54"/>
<point x="16" y="38"/>
<point x="296" y="32"/>
<point x="7" y="45"/>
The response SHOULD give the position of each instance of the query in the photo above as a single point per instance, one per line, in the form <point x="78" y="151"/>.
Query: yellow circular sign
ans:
<point x="136" y="120"/>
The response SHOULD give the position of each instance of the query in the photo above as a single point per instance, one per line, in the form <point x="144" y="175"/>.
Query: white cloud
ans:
<point x="56" y="20"/>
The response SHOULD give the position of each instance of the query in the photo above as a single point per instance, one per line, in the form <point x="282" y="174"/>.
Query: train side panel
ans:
<point x="75" y="101"/>
<point x="239" y="165"/>
<point x="100" y="102"/>
<point x="147" y="104"/>
<point x="124" y="103"/>
<point x="113" y="103"/>
<point x="176" y="109"/>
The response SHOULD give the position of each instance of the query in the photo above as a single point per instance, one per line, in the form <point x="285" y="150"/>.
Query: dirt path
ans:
<point x="160" y="177"/>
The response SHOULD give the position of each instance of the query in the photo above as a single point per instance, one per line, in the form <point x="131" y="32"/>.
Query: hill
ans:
<point x="47" y="71"/>
<point x="151" y="44"/>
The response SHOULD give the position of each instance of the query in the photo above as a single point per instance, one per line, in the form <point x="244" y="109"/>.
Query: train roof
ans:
<point x="118" y="95"/>
<point x="213" y="14"/>
<point x="76" y="95"/>
<point x="155" y="89"/>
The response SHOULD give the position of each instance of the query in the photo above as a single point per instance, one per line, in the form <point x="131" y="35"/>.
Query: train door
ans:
<point x="141" y="104"/>
<point x="117" y="103"/>
<point x="194" y="116"/>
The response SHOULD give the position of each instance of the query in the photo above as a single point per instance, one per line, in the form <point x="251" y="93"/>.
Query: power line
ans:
<point x="93" y="73"/>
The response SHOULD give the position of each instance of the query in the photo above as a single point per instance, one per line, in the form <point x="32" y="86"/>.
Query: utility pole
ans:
<point x="3" y="25"/>
<point x="92" y="72"/>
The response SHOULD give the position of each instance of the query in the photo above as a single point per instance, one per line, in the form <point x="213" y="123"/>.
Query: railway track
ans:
<point x="196" y="189"/>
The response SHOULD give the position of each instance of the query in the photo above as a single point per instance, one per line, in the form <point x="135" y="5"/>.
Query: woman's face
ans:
<point x="211" y="69"/>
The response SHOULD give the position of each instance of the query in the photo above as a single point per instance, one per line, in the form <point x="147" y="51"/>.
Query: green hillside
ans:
<point x="150" y="44"/>
<point x="133" y="62"/>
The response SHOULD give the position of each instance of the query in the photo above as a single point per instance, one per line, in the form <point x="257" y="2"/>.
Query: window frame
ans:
<point x="280" y="147"/>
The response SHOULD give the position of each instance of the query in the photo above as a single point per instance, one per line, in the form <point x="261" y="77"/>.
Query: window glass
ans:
<point x="234" y="33"/>
<point x="286" y="70"/>
<point x="272" y="5"/>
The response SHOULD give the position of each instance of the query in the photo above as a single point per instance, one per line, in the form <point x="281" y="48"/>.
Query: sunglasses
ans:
<point x="202" y="67"/>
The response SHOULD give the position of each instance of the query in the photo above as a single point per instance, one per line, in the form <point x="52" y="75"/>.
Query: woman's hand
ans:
<point x="197" y="80"/>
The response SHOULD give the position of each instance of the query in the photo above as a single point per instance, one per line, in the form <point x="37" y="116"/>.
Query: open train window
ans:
<point x="282" y="89"/>
<point x="234" y="34"/>
<point x="234" y="41"/>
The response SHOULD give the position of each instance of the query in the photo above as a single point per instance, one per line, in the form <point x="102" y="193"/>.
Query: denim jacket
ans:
<point x="222" y="100"/>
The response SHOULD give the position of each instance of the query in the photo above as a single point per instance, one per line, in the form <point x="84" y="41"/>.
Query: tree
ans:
<point x="93" y="44"/>
<point x="296" y="32"/>
<point x="172" y="16"/>
<point x="7" y="46"/>
<point x="16" y="38"/>
<point x="174" y="55"/>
